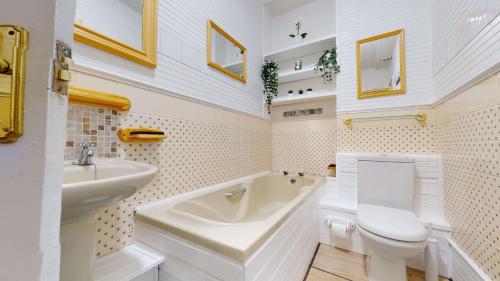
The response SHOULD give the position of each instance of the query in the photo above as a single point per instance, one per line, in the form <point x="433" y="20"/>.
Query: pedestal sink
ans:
<point x="85" y="190"/>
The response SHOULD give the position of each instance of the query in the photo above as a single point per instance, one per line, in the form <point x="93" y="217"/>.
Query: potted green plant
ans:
<point x="298" y="34"/>
<point x="327" y="65"/>
<point x="269" y="76"/>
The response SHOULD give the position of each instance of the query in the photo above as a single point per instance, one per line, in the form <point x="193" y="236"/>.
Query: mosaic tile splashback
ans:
<point x="194" y="155"/>
<point x="470" y="147"/>
<point x="94" y="125"/>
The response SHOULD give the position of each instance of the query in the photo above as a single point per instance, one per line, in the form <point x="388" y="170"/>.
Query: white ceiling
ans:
<point x="277" y="7"/>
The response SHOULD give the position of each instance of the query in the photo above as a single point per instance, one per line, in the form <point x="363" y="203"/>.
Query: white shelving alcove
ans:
<point x="308" y="97"/>
<point x="316" y="20"/>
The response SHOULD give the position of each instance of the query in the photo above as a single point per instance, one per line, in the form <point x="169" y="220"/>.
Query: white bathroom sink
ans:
<point x="88" y="188"/>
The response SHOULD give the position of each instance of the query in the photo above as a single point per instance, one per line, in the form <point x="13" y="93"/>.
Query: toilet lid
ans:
<point x="392" y="223"/>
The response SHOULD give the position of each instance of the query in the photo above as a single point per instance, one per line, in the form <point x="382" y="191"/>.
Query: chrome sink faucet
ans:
<point x="86" y="155"/>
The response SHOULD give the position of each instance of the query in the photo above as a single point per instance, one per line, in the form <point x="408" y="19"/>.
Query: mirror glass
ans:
<point x="120" y="20"/>
<point x="226" y="54"/>
<point x="381" y="65"/>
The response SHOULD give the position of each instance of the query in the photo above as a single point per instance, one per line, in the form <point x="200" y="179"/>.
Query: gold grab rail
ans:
<point x="420" y="117"/>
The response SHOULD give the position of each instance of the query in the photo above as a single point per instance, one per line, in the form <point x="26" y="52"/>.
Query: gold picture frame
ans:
<point x="146" y="56"/>
<point x="213" y="64"/>
<point x="402" y="64"/>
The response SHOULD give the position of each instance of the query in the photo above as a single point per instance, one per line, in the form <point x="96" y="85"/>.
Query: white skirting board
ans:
<point x="463" y="268"/>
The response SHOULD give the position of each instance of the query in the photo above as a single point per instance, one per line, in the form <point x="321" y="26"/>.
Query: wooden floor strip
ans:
<point x="331" y="273"/>
<point x="333" y="264"/>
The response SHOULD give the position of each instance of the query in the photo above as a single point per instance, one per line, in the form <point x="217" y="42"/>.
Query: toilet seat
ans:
<point x="397" y="224"/>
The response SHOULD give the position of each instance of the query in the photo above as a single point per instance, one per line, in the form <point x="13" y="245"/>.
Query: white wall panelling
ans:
<point x="360" y="19"/>
<point x="182" y="68"/>
<point x="466" y="44"/>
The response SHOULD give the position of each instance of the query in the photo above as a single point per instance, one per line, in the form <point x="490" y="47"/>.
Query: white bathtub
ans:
<point x="252" y="235"/>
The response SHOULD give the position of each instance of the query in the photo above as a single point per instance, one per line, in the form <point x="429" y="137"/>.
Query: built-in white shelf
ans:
<point x="296" y="75"/>
<point x="302" y="49"/>
<point x="306" y="97"/>
<point x="126" y="264"/>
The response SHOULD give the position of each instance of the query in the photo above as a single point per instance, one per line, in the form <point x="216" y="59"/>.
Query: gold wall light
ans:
<point x="100" y="99"/>
<point x="145" y="55"/>
<point x="13" y="46"/>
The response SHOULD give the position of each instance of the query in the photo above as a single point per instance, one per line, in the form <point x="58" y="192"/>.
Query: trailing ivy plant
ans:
<point x="298" y="25"/>
<point x="269" y="77"/>
<point x="327" y="65"/>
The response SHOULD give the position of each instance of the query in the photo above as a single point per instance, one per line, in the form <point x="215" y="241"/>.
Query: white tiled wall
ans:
<point x="455" y="24"/>
<point x="466" y="43"/>
<point x="364" y="18"/>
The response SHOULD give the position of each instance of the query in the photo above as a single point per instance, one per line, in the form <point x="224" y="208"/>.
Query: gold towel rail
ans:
<point x="99" y="99"/>
<point x="420" y="117"/>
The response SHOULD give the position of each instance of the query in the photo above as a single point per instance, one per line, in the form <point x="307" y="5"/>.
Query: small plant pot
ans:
<point x="332" y="170"/>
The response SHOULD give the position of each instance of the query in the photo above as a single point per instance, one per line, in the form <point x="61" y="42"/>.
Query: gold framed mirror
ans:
<point x="126" y="28"/>
<point x="226" y="54"/>
<point x="381" y="65"/>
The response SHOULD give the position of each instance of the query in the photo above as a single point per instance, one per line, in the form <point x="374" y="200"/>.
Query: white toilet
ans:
<point x="390" y="230"/>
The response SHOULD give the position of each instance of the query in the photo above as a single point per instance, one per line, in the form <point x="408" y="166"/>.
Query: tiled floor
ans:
<point x="334" y="264"/>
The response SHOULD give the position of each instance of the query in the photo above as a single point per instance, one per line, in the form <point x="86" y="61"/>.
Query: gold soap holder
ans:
<point x="134" y="135"/>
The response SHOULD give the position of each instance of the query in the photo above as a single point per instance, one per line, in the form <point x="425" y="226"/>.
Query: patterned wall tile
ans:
<point x="387" y="138"/>
<point x="303" y="150"/>
<point x="470" y="147"/>
<point x="195" y="155"/>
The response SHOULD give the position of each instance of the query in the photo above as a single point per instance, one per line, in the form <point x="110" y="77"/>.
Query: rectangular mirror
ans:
<point x="381" y="65"/>
<point x="226" y="54"/>
<point x="126" y="28"/>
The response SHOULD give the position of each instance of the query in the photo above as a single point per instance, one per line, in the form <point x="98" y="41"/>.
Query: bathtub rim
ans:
<point x="240" y="252"/>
